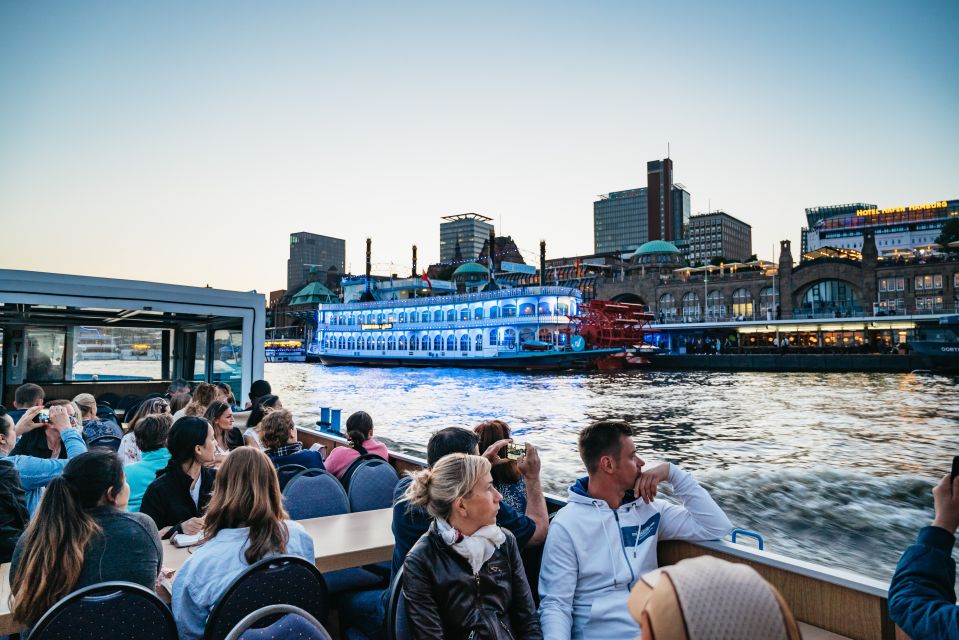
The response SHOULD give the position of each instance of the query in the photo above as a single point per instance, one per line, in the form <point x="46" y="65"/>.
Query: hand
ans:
<point x="192" y="526"/>
<point x="492" y="452"/>
<point x="946" y="498"/>
<point x="529" y="464"/>
<point x="648" y="480"/>
<point x="60" y="419"/>
<point x="26" y="423"/>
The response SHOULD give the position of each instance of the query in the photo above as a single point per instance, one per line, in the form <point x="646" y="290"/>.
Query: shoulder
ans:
<point x="133" y="523"/>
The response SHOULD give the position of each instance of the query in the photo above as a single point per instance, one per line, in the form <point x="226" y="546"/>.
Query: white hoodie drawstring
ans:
<point x="612" y="560"/>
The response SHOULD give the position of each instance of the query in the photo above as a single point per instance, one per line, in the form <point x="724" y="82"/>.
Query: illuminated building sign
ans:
<point x="376" y="327"/>
<point x="942" y="204"/>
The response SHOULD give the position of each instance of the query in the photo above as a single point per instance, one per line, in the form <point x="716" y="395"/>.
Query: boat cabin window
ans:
<point x="509" y="310"/>
<point x="492" y="337"/>
<point x="545" y="335"/>
<point x="369" y="343"/>
<point x="369" y="318"/>
<point x="509" y="338"/>
<point x="526" y="335"/>
<point x="438" y="343"/>
<point x="464" y="314"/>
<point x="341" y="343"/>
<point x="478" y="313"/>
<point x="380" y="318"/>
<point x="450" y="343"/>
<point x="562" y="309"/>
<point x="351" y="343"/>
<point x="544" y="308"/>
<point x="450" y="315"/>
<point x="464" y="343"/>
<point x="479" y="341"/>
<point x="414" y="316"/>
<point x="391" y="344"/>
<point x="380" y="344"/>
<point x="401" y="343"/>
<point x="425" y="343"/>
<point x="527" y="309"/>
<point x="493" y="313"/>
<point x="401" y="317"/>
<point x="437" y="316"/>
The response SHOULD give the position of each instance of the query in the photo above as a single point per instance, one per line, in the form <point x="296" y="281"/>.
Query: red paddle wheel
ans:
<point x="605" y="324"/>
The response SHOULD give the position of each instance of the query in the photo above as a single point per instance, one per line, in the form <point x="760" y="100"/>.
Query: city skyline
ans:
<point x="214" y="133"/>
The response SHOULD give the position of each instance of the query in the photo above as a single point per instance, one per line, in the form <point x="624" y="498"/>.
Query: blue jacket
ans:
<point x="36" y="473"/>
<point x="922" y="595"/>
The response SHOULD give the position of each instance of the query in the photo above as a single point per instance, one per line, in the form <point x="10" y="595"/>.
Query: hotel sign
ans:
<point x="376" y="327"/>
<point x="942" y="204"/>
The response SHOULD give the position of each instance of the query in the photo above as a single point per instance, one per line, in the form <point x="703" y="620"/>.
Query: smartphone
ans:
<point x="42" y="417"/>
<point x="515" y="450"/>
<point x="955" y="467"/>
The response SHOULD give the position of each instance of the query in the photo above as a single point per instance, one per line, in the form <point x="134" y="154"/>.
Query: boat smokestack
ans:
<point x="414" y="261"/>
<point x="489" y="253"/>
<point x="542" y="263"/>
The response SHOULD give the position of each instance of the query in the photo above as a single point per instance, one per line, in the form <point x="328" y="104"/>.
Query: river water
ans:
<point x="832" y="468"/>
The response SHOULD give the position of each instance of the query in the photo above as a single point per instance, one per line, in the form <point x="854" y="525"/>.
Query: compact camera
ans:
<point x="42" y="417"/>
<point x="515" y="450"/>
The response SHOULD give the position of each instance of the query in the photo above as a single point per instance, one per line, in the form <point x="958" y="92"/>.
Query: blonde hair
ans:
<point x="452" y="477"/>
<point x="88" y="402"/>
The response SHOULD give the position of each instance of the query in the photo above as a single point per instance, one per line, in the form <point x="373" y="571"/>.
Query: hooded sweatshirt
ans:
<point x="594" y="555"/>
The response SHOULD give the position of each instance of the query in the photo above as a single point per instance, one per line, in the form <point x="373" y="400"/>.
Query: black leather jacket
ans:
<point x="445" y="600"/>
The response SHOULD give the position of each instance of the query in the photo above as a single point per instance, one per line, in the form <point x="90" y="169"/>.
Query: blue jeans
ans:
<point x="364" y="611"/>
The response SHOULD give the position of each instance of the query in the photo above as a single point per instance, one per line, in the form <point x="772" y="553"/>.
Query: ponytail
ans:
<point x="454" y="476"/>
<point x="358" y="428"/>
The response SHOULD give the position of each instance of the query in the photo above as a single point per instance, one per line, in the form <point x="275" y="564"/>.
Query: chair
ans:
<point x="294" y="624"/>
<point x="282" y="579"/>
<point x="397" y="621"/>
<point x="127" y="402"/>
<point x="287" y="471"/>
<point x="105" y="442"/>
<point x="120" y="610"/>
<point x="314" y="493"/>
<point x="109" y="398"/>
<point x="372" y="485"/>
<point x="105" y="412"/>
<point x="350" y="470"/>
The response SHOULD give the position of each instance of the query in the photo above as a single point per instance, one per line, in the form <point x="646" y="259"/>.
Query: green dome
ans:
<point x="656" y="246"/>
<point x="471" y="269"/>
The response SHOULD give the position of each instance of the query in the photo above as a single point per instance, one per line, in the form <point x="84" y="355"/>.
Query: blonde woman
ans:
<point x="245" y="522"/>
<point x="465" y="578"/>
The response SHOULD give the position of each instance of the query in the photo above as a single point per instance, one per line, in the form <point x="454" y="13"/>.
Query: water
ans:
<point x="833" y="468"/>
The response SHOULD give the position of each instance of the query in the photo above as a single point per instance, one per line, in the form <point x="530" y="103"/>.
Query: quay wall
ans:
<point x="806" y="362"/>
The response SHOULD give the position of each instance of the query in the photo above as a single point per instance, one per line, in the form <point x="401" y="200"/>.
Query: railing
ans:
<point x="456" y="298"/>
<point x="451" y="325"/>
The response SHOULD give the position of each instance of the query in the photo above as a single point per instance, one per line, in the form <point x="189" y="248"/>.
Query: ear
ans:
<point x="607" y="464"/>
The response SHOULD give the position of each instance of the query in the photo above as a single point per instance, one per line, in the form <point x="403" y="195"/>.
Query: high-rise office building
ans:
<point x="680" y="211"/>
<point x="659" y="189"/>
<point x="462" y="236"/>
<point x="718" y="235"/>
<point x="621" y="219"/>
<point x="311" y="251"/>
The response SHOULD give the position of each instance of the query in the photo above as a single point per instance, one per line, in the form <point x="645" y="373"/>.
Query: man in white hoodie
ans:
<point x="605" y="538"/>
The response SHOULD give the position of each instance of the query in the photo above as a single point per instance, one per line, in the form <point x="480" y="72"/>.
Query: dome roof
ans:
<point x="656" y="246"/>
<point x="471" y="269"/>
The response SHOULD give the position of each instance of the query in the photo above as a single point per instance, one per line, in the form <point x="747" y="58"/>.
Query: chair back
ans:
<point x="109" y="398"/>
<point x="350" y="470"/>
<point x="128" y="401"/>
<point x="397" y="621"/>
<point x="105" y="442"/>
<point x="293" y="622"/>
<point x="372" y="485"/>
<point x="282" y="579"/>
<point x="286" y="471"/>
<point x="129" y="611"/>
<point x="314" y="493"/>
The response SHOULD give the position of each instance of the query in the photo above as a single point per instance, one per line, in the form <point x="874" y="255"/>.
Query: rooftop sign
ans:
<point x="942" y="204"/>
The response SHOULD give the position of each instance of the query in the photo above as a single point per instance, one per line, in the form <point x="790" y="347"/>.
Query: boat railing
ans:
<point x="517" y="292"/>
<point x="452" y="324"/>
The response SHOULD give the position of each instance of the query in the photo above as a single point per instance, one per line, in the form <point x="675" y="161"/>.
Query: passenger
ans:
<point x="151" y="433"/>
<point x="922" y="594"/>
<point x="225" y="435"/>
<point x="81" y="536"/>
<point x="279" y="435"/>
<point x="176" y="387"/>
<point x="258" y="389"/>
<point x="506" y="476"/>
<point x="606" y="536"/>
<point x="245" y="523"/>
<point x="93" y="427"/>
<point x="359" y="429"/>
<point x="128" y="452"/>
<point x="225" y="394"/>
<point x="178" y="497"/>
<point x="13" y="498"/>
<point x="36" y="473"/>
<point x="486" y="596"/>
<point x="262" y="406"/>
<point x="203" y="397"/>
<point x="44" y="441"/>
<point x="179" y="402"/>
<point x="26" y="396"/>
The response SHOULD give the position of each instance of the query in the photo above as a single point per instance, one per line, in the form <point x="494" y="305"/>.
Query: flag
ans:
<point x="426" y="279"/>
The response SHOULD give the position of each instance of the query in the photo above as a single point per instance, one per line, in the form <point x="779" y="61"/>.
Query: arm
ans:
<point x="522" y="612"/>
<point x="557" y="585"/>
<point x="26" y="423"/>
<point x="529" y="466"/>
<point x="190" y="613"/>
<point x="421" y="605"/>
<point x="921" y="595"/>
<point x="699" y="517"/>
<point x="38" y="472"/>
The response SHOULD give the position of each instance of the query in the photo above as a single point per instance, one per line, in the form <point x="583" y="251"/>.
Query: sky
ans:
<point x="183" y="142"/>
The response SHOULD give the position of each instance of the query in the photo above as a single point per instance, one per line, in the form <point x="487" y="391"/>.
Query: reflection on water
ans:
<point x="835" y="468"/>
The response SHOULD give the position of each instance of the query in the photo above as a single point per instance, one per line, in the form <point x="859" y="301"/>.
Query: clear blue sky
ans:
<point x="183" y="142"/>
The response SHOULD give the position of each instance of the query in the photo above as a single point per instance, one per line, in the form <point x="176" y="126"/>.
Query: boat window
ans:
<point x="414" y="316"/>
<point x="369" y="343"/>
<point x="351" y="343"/>
<point x="479" y="341"/>
<point x="401" y="343"/>
<point x="526" y="335"/>
<point x="438" y="343"/>
<point x="401" y="317"/>
<point x="341" y="343"/>
<point x="509" y="310"/>
<point x="545" y="335"/>
<point x="478" y="313"/>
<point x="369" y="318"/>
<point x="97" y="350"/>
<point x="509" y="338"/>
<point x="464" y="314"/>
<point x="492" y="337"/>
<point x="493" y="313"/>
<point x="544" y="309"/>
<point x="562" y="309"/>
<point x="450" y="343"/>
<point x="380" y="343"/>
<point x="380" y="318"/>
<point x="437" y="316"/>
<point x="391" y="318"/>
<point x="391" y="344"/>
<point x="199" y="355"/>
<point x="450" y="315"/>
<point x="527" y="309"/>
<point x="464" y="343"/>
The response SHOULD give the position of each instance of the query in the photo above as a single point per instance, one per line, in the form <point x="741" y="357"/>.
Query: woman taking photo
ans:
<point x="359" y="429"/>
<point x="225" y="435"/>
<point x="179" y="495"/>
<point x="506" y="474"/>
<point x="245" y="523"/>
<point x="464" y="578"/>
<point x="82" y="535"/>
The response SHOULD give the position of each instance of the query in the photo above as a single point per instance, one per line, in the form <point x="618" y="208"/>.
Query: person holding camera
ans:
<point x="36" y="472"/>
<point x="507" y="477"/>
<point x="922" y="594"/>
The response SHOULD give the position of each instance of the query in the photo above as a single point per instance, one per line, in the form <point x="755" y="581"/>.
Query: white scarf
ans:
<point x="477" y="548"/>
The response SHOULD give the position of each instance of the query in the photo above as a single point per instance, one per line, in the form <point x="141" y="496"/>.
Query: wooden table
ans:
<point x="340" y="542"/>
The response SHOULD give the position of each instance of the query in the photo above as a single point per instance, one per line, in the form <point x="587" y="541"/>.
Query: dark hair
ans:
<point x="225" y="388"/>
<point x="59" y="532"/>
<point x="177" y="385"/>
<point x="260" y="388"/>
<point x="262" y="406"/>
<point x="186" y="434"/>
<point x="492" y="431"/>
<point x="450" y="440"/>
<point x="27" y="395"/>
<point x="5" y="425"/>
<point x="358" y="427"/>
<point x="179" y="401"/>
<point x="152" y="430"/>
<point x="216" y="409"/>
<point x="603" y="438"/>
